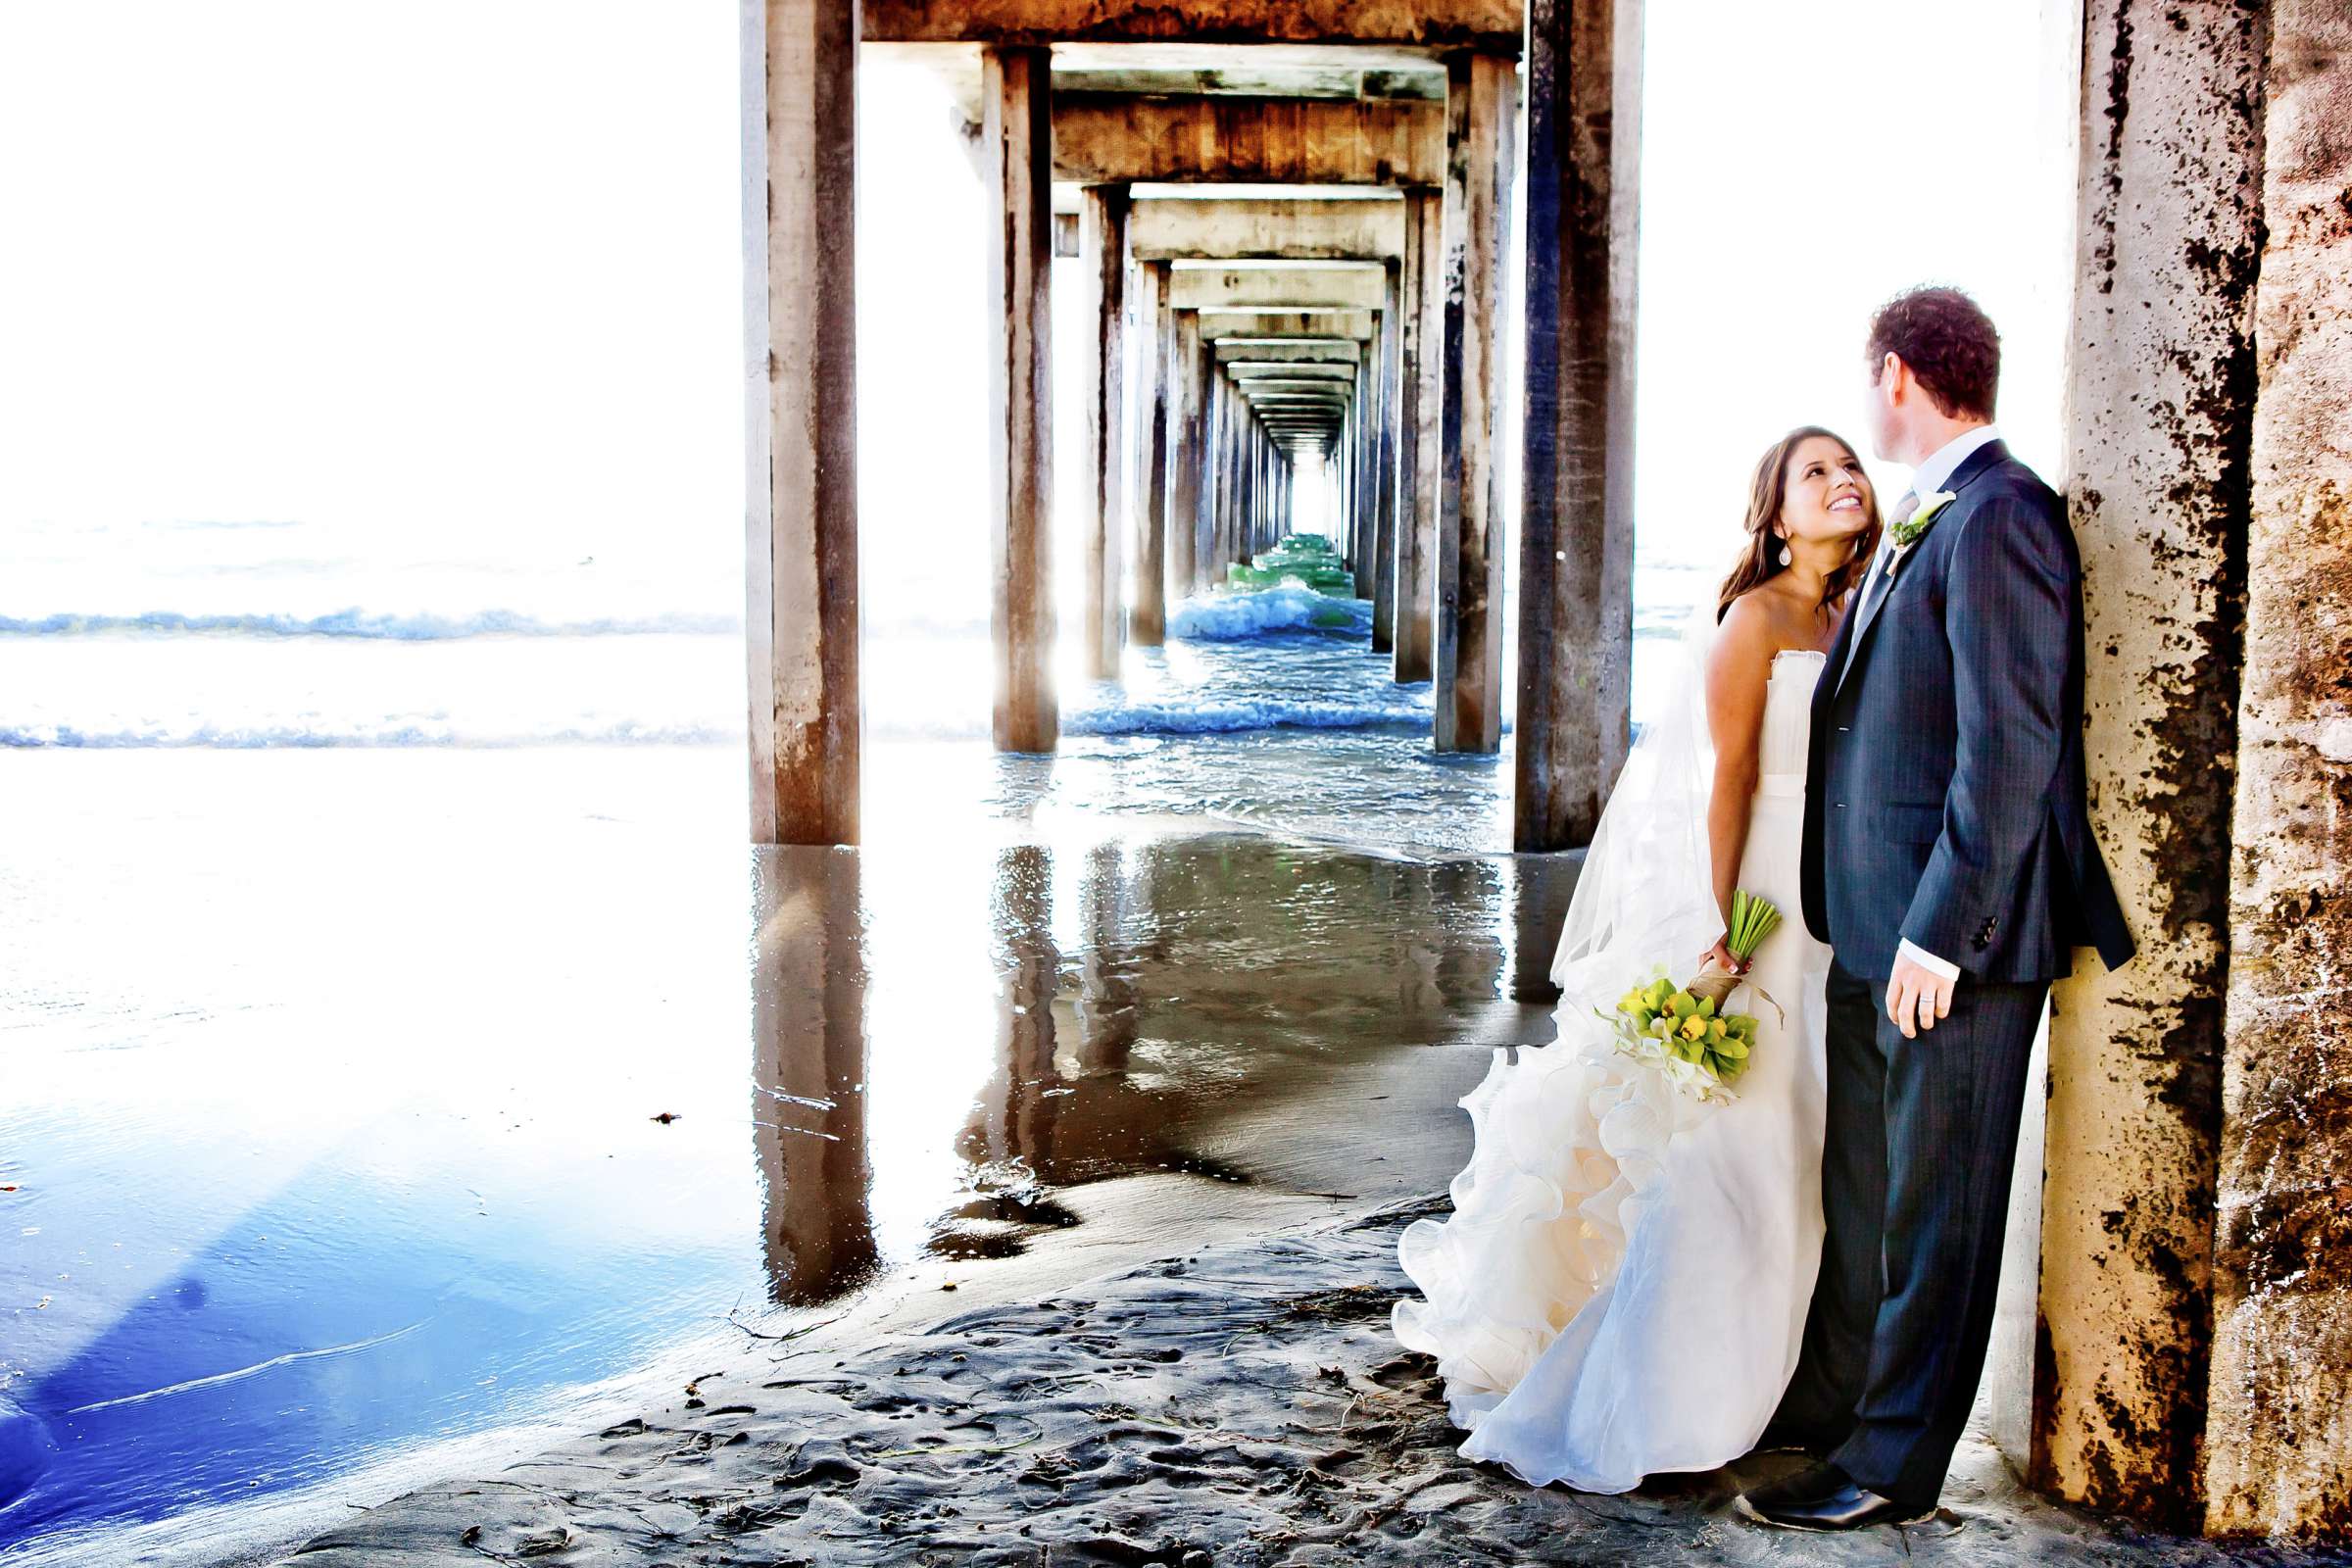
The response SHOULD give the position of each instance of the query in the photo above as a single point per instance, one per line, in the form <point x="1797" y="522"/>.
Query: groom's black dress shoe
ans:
<point x="1822" y="1497"/>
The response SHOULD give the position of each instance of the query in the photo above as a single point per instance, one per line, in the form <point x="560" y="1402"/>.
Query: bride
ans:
<point x="1621" y="1290"/>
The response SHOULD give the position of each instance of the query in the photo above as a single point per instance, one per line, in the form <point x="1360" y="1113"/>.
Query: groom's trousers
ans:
<point x="1920" y="1143"/>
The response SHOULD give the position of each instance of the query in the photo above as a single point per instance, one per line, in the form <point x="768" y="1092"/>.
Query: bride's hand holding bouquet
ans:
<point x="1684" y="1031"/>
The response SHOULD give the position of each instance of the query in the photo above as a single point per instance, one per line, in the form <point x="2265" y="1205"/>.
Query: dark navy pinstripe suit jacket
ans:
<point x="1944" y="795"/>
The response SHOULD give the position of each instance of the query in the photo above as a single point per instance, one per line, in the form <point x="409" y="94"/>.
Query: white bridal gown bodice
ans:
<point x="1621" y="1290"/>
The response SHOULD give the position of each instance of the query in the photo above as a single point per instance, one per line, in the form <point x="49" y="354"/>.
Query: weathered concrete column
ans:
<point x="1017" y="152"/>
<point x="2161" y="366"/>
<point x="1468" y="657"/>
<point x="1236" y="521"/>
<point x="1185" y="416"/>
<point x="2278" y="1434"/>
<point x="1102" y="236"/>
<point x="1383" y="521"/>
<point x="1260" y="476"/>
<point x="1362" y="443"/>
<point x="1576" y="527"/>
<point x="1341" y="477"/>
<point x="1147" y="622"/>
<point x="1204" y="520"/>
<point x="1213" y="441"/>
<point x="1268" y="455"/>
<point x="1421" y="369"/>
<point x="1228" y="421"/>
<point x="800" y="125"/>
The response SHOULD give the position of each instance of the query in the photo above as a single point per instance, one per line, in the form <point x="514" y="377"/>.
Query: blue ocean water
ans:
<point x="276" y="636"/>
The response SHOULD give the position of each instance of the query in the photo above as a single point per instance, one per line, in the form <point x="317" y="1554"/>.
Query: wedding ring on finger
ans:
<point x="1927" y="1009"/>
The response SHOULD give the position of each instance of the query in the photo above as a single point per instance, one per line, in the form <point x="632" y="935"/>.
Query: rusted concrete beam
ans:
<point x="1015" y="136"/>
<point x="1184" y="71"/>
<point x="1216" y="325"/>
<point x="2278" y="1433"/>
<point x="1102" y="236"/>
<point x="1335" y="372"/>
<point x="799" y="118"/>
<point x="1231" y="227"/>
<point x="1488" y="24"/>
<point x="1421" y="369"/>
<point x="1147" y="622"/>
<point x="1339" y="286"/>
<point x="1288" y="378"/>
<point x="1108" y="138"/>
<point x="1325" y="353"/>
<point x="1576" y="532"/>
<point x="2161" y="365"/>
<point x="1468" y="665"/>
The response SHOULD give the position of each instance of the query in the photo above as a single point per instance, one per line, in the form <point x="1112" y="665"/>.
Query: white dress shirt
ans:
<point x="1928" y="478"/>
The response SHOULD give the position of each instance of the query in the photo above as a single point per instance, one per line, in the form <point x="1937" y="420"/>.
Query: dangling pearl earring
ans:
<point x="1786" y="558"/>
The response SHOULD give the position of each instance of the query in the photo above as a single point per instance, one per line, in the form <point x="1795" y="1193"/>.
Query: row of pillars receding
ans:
<point x="1361" y="324"/>
<point x="2189" y="1358"/>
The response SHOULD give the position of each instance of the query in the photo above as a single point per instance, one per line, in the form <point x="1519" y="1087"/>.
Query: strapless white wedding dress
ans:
<point x="1622" y="1288"/>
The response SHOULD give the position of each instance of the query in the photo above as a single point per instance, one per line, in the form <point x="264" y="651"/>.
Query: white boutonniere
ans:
<point x="1913" y="528"/>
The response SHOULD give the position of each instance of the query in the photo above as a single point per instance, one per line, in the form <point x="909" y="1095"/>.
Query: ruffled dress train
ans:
<point x="1621" y="1290"/>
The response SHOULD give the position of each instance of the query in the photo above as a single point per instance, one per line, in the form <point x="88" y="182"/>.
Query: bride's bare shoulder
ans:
<point x="1766" y="621"/>
<point x="1746" y="640"/>
<point x="1751" y="627"/>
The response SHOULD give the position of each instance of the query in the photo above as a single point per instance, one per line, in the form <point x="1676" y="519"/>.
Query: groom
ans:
<point x="1949" y="864"/>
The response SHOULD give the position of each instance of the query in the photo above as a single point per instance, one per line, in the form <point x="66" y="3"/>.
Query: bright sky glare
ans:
<point x="465" y="277"/>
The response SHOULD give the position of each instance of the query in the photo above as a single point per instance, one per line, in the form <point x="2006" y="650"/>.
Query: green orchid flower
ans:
<point x="1907" y="532"/>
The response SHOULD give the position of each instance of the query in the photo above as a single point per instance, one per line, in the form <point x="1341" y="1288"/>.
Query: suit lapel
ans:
<point x="1833" y="673"/>
<point x="1978" y="463"/>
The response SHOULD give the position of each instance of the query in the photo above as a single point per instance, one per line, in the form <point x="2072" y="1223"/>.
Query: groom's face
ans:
<point x="1878" y="408"/>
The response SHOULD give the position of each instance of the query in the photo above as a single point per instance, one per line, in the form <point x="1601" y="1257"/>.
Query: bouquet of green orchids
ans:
<point x="1684" y="1030"/>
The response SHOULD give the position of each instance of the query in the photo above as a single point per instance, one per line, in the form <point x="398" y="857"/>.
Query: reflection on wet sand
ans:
<point x="808" y="1072"/>
<point x="1147" y="995"/>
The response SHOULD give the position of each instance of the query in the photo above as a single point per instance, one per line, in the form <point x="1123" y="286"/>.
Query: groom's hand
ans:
<point x="1916" y="997"/>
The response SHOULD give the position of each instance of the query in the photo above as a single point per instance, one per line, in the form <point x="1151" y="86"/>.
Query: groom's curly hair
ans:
<point x="1948" y="342"/>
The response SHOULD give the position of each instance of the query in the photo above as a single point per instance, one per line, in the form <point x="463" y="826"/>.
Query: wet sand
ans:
<point x="1153" y="1098"/>
<point x="1238" y="1404"/>
<point x="1182" y="1355"/>
<point x="338" y="1197"/>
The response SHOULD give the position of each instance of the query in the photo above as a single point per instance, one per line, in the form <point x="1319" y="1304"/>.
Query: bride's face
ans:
<point x="1828" y="495"/>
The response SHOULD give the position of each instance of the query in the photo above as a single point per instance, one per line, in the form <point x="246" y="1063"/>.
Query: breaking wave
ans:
<point x="1233" y="616"/>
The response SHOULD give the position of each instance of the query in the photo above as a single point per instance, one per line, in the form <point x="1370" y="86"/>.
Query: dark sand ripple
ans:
<point x="1242" y="1405"/>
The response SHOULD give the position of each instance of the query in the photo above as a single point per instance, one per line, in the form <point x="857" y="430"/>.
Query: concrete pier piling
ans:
<point x="1102" y="230"/>
<point x="1016" y="138"/>
<point x="1419" y="465"/>
<point x="1148" y="625"/>
<point x="1187" y="402"/>
<point x="801" y="519"/>
<point x="1467" y="663"/>
<point x="2278" y="1414"/>
<point x="1576" y="515"/>
<point x="1384" y="522"/>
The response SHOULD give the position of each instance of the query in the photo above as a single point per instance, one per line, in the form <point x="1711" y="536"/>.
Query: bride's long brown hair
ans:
<point x="1767" y="493"/>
